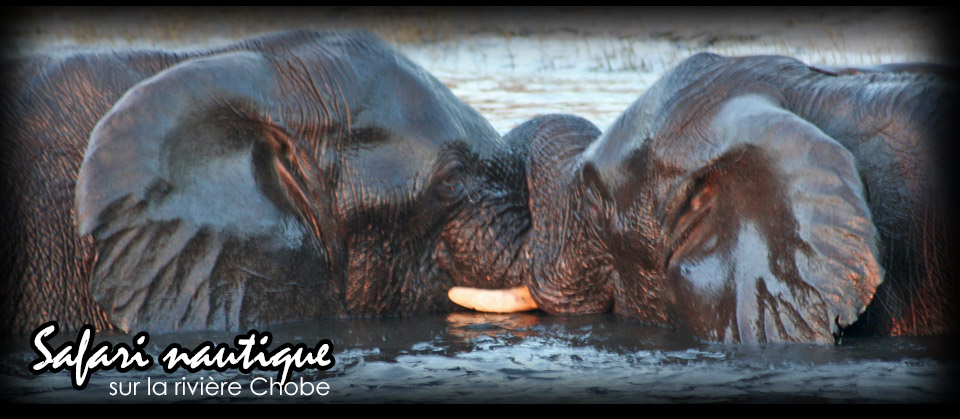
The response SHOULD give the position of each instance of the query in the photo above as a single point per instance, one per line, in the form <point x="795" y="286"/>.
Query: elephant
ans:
<point x="290" y="176"/>
<point x="746" y="200"/>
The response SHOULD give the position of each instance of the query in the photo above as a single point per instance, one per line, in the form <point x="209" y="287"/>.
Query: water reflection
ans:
<point x="470" y="326"/>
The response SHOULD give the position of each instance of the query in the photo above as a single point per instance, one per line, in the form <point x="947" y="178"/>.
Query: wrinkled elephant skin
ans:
<point x="292" y="176"/>
<point x="750" y="199"/>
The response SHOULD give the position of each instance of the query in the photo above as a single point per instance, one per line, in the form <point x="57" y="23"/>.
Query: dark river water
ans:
<point x="472" y="357"/>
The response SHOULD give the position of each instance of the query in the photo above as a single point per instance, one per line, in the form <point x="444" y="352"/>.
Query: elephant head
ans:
<point x="730" y="200"/>
<point x="289" y="177"/>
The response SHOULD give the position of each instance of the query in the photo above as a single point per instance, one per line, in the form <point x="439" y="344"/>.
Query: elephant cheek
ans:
<point x="700" y="299"/>
<point x="445" y="260"/>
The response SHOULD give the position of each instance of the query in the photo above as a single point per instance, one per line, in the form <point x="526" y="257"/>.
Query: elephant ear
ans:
<point x="204" y="211"/>
<point x="768" y="235"/>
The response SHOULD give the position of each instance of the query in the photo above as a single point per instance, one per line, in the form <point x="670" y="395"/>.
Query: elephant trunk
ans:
<point x="482" y="245"/>
<point x="560" y="259"/>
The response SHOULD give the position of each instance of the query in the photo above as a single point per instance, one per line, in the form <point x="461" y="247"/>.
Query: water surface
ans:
<point x="473" y="357"/>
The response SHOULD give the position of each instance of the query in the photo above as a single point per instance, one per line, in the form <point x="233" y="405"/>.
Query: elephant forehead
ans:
<point x="392" y="173"/>
<point x="420" y="120"/>
<point x="392" y="163"/>
<point x="656" y="128"/>
<point x="717" y="129"/>
<point x="393" y="148"/>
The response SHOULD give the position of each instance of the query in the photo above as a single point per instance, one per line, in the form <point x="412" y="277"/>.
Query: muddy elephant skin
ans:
<point x="292" y="176"/>
<point x="751" y="199"/>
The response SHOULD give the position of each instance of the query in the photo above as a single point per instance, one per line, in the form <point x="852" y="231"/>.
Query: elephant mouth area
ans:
<point x="466" y="269"/>
<point x="474" y="291"/>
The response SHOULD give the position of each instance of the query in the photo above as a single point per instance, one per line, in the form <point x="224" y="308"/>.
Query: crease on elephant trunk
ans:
<point x="482" y="246"/>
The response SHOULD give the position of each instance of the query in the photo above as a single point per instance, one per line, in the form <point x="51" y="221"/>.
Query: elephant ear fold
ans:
<point x="204" y="212"/>
<point x="769" y="237"/>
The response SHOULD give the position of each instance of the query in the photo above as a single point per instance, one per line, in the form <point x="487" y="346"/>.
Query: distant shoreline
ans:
<point x="859" y="30"/>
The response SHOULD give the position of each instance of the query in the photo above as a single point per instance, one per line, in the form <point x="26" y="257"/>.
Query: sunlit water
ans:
<point x="468" y="357"/>
<point x="512" y="80"/>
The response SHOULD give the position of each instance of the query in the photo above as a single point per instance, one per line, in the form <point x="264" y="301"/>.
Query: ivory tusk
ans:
<point x="507" y="300"/>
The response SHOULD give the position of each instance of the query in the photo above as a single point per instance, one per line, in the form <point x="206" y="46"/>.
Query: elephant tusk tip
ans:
<point x="508" y="300"/>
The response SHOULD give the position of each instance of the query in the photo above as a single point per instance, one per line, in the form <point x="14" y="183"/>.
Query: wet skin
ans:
<point x="293" y="176"/>
<point x="749" y="199"/>
<point x="307" y="175"/>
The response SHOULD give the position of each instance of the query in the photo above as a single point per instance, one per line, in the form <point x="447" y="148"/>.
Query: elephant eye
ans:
<point x="688" y="209"/>
<point x="450" y="184"/>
